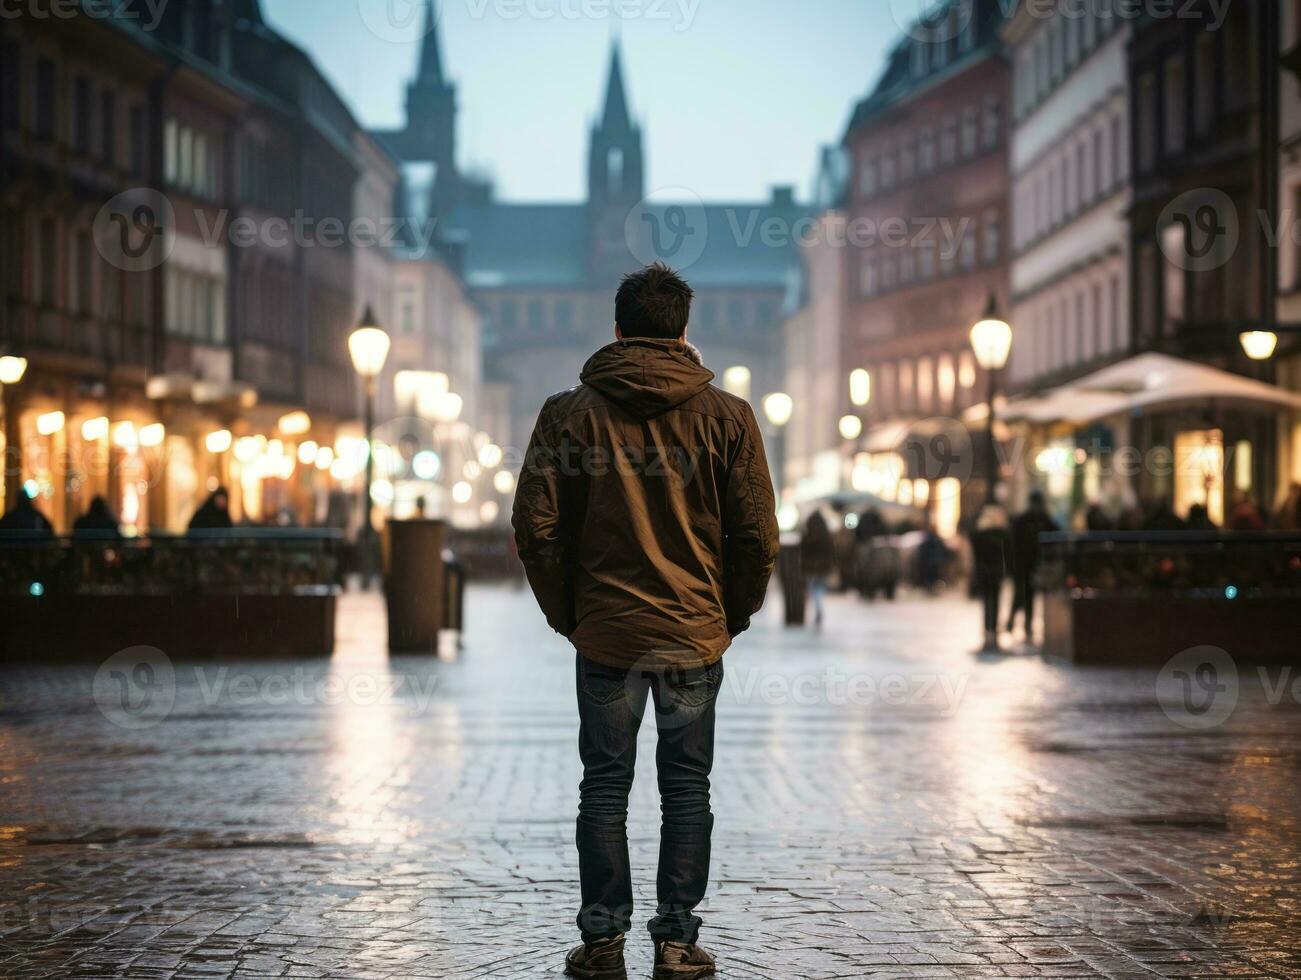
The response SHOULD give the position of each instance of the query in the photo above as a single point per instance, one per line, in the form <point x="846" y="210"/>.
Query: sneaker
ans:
<point x="682" y="961"/>
<point x="601" y="959"/>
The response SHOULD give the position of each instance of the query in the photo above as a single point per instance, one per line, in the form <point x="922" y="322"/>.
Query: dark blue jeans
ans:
<point x="611" y="703"/>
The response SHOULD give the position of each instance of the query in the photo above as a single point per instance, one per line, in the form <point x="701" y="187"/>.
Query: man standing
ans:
<point x="1025" y="559"/>
<point x="645" y="519"/>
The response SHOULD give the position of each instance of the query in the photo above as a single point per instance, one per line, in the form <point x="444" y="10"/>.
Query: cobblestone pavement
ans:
<point x="889" y="805"/>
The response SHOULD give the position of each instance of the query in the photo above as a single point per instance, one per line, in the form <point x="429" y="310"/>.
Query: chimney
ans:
<point x="783" y="196"/>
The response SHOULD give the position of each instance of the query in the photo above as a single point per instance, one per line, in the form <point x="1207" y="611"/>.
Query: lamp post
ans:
<point x="368" y="345"/>
<point x="778" y="408"/>
<point x="991" y="340"/>
<point x="12" y="369"/>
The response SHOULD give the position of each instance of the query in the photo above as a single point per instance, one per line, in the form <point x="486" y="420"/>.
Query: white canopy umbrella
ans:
<point x="1148" y="381"/>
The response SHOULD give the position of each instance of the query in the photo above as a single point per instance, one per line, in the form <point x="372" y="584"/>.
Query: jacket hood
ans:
<point x="647" y="377"/>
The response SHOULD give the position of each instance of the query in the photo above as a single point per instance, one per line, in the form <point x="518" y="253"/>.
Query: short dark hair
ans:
<point x="653" y="302"/>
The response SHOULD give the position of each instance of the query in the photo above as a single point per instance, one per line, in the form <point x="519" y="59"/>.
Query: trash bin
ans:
<point x="415" y="588"/>
<point x="790" y="570"/>
<point x="453" y="592"/>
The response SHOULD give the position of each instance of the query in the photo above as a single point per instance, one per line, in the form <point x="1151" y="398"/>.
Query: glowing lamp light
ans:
<point x="447" y="407"/>
<point x="991" y="339"/>
<point x="851" y="427"/>
<point x="324" y="458"/>
<point x="153" y="434"/>
<point x="368" y="346"/>
<point x="426" y="464"/>
<point x="1231" y="592"/>
<point x="462" y="492"/>
<point x="504" y="481"/>
<point x="124" y="436"/>
<point x="471" y="470"/>
<point x="778" y="407"/>
<point x="736" y="381"/>
<point x="307" y="452"/>
<point x="490" y="456"/>
<point x="1259" y="345"/>
<point x="246" y="449"/>
<point x="488" y="511"/>
<point x="36" y="590"/>
<point x="49" y="423"/>
<point x="219" y="441"/>
<point x="788" y="517"/>
<point x="12" y="369"/>
<point x="860" y="387"/>
<point x="381" y="491"/>
<point x="93" y="430"/>
<point x="294" y="423"/>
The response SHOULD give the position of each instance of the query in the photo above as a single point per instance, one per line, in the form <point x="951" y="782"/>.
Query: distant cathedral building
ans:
<point x="544" y="275"/>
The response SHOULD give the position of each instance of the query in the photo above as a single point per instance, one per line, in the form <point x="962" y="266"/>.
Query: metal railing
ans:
<point x="1227" y="565"/>
<point x="241" y="561"/>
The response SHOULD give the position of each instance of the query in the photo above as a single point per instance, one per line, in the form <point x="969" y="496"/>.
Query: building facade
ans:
<point x="928" y="218"/>
<point x="1070" y="173"/>
<point x="176" y="262"/>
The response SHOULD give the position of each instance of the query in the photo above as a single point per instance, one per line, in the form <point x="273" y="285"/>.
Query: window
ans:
<point x="200" y="182"/>
<point x="992" y="121"/>
<point x="508" y="314"/>
<point x="968" y="249"/>
<point x="537" y="315"/>
<point x="992" y="237"/>
<point x="564" y="314"/>
<point x="1174" y="105"/>
<point x="1118" y="167"/>
<point x="907" y="267"/>
<point x="171" y="151"/>
<point x="925" y="384"/>
<point x="1074" y="41"/>
<point x="1145" y="103"/>
<point x="970" y="123"/>
<point x="1204" y="87"/>
<point x="735" y="313"/>
<point x="1083" y="192"/>
<point x="1069" y="200"/>
<point x="926" y="261"/>
<point x="867" y="177"/>
<point x="47" y="246"/>
<point x="921" y="57"/>
<point x="949" y="142"/>
<point x="1090" y="28"/>
<point x="136" y="134"/>
<point x="110" y="292"/>
<point x="1042" y="70"/>
<point x="46" y="100"/>
<point x="907" y="158"/>
<point x="1057" y="33"/>
<point x="108" y="129"/>
<point x="889" y="272"/>
<point x="1172" y="243"/>
<point x="1099" y="178"/>
<point x="83" y="298"/>
<point x="81" y="115"/>
<point x="887" y="167"/>
<point x="1113" y="293"/>
<point x="1098" y="346"/>
<point x="926" y="151"/>
<point x="12" y="82"/>
<point x="867" y="283"/>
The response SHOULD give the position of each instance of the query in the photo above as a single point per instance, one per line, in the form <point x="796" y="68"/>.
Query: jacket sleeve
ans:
<point x="538" y="529"/>
<point x="749" y="528"/>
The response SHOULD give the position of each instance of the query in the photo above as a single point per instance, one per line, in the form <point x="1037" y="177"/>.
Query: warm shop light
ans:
<point x="488" y="511"/>
<point x="324" y="458"/>
<point x="462" y="492"/>
<point x="294" y="423"/>
<point x="49" y="423"/>
<point x="736" y="381"/>
<point x="219" y="441"/>
<point x="93" y="430"/>
<point x="1259" y="345"/>
<point x="471" y="470"/>
<point x="307" y="452"/>
<point x="426" y="464"/>
<point x="851" y="427"/>
<point x="778" y="407"/>
<point x="860" y="387"/>
<point x="152" y="434"/>
<point x="12" y="369"/>
<point x="504" y="481"/>
<point x="124" y="435"/>
<point x="490" y="456"/>
<point x="247" y="449"/>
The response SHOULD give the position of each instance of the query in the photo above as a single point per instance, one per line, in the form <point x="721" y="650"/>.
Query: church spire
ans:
<point x="431" y="58"/>
<point x="615" y="117"/>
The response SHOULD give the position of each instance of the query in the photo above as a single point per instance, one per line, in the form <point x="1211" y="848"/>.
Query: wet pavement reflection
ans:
<point x="887" y="805"/>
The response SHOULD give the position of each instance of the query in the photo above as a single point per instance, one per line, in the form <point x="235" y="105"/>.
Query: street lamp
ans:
<point x="779" y="407"/>
<point x="368" y="345"/>
<point x="991" y="340"/>
<point x="860" y="387"/>
<point x="1259" y="345"/>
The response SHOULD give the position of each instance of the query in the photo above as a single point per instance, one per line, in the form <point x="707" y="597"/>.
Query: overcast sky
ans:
<point x="734" y="95"/>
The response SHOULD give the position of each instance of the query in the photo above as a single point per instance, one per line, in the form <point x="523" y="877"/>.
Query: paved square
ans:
<point x="888" y="805"/>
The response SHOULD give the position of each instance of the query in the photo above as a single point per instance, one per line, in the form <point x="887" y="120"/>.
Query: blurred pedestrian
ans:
<point x="214" y="514"/>
<point x="1199" y="519"/>
<point x="1288" y="516"/>
<point x="1246" y="515"/>
<point x="933" y="556"/>
<point x="97" y="522"/>
<point x="870" y="525"/>
<point x="26" y="518"/>
<point x="991" y="550"/>
<point x="651" y="572"/>
<point x="817" y="557"/>
<point x="1025" y="560"/>
<point x="1162" y="517"/>
<point x="1096" y="520"/>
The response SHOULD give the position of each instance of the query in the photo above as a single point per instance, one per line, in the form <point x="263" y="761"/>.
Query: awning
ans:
<point x="1146" y="382"/>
